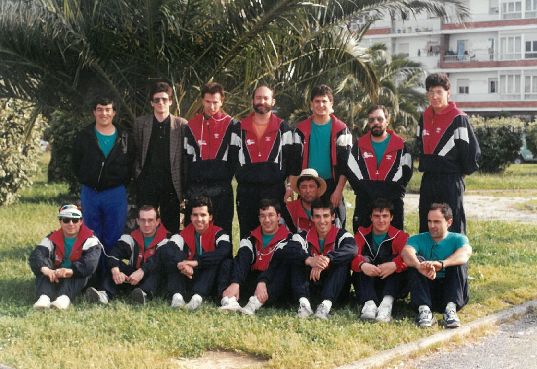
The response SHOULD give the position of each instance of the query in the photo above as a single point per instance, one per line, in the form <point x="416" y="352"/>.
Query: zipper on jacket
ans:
<point x="100" y="173"/>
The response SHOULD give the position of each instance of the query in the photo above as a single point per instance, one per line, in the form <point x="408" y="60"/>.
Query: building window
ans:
<point x="463" y="86"/>
<point x="510" y="47"/>
<point x="530" y="87"/>
<point x="493" y="7"/>
<point x="510" y="85"/>
<point x="531" y="49"/>
<point x="531" y="9"/>
<point x="512" y="10"/>
<point x="493" y="85"/>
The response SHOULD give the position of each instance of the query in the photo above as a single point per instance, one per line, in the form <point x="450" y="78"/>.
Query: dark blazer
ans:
<point x="142" y="134"/>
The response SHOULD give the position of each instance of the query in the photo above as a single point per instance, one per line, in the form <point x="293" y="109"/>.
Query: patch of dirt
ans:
<point x="483" y="207"/>
<point x="221" y="360"/>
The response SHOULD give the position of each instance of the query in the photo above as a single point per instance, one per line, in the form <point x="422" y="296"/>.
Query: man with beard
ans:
<point x="267" y="152"/>
<point x="208" y="161"/>
<point x="326" y="143"/>
<point x="379" y="166"/>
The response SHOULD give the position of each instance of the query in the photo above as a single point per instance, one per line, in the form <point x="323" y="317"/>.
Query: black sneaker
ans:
<point x="138" y="296"/>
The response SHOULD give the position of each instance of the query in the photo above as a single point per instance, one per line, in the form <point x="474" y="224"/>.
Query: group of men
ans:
<point x="289" y="250"/>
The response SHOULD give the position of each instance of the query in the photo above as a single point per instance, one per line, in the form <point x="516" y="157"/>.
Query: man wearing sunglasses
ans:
<point x="379" y="166"/>
<point x="64" y="261"/>
<point x="158" y="140"/>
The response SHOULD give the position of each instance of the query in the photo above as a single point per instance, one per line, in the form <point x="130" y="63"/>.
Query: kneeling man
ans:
<point x="377" y="267"/>
<point x="193" y="257"/>
<point x="64" y="261"/>
<point x="132" y="262"/>
<point x="259" y="269"/>
<point x="322" y="258"/>
<point x="438" y="269"/>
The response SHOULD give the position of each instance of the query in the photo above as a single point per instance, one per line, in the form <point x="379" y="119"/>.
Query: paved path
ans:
<point x="486" y="207"/>
<point x="512" y="346"/>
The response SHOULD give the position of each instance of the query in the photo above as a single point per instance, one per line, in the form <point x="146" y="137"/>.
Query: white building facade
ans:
<point x="491" y="59"/>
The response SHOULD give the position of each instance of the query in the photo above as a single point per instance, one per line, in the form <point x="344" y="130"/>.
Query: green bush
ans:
<point x="531" y="138"/>
<point x="19" y="147"/>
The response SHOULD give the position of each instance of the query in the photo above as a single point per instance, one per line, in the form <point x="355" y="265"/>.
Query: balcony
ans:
<point x="486" y="59"/>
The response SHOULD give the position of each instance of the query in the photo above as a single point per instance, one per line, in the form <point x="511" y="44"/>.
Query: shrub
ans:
<point x="500" y="140"/>
<point x="531" y="138"/>
<point x="19" y="147"/>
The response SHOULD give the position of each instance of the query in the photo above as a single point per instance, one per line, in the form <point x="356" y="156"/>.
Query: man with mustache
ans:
<point x="379" y="166"/>
<point x="267" y="156"/>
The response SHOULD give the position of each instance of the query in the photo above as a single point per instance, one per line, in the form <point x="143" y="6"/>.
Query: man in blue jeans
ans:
<point x="102" y="161"/>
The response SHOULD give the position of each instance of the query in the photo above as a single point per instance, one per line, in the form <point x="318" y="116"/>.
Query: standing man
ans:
<point x="378" y="266"/>
<point x="379" y="166"/>
<point x="102" y="161"/>
<point x="326" y="143"/>
<point x="320" y="261"/>
<point x="267" y="156"/>
<point x="192" y="259"/>
<point x="64" y="261"/>
<point x="209" y="168"/>
<point x="309" y="187"/>
<point x="159" y="147"/>
<point x="259" y="271"/>
<point x="438" y="268"/>
<point x="448" y="151"/>
<point x="132" y="264"/>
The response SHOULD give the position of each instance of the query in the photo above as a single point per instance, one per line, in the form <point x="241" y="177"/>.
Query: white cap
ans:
<point x="70" y="211"/>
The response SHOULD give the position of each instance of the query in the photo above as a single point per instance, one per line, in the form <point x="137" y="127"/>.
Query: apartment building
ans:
<point x="491" y="58"/>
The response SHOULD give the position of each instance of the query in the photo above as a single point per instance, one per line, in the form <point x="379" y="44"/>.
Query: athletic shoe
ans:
<point x="94" y="296"/>
<point x="304" y="309"/>
<point x="43" y="302"/>
<point x="177" y="300"/>
<point x="252" y="305"/>
<point x="451" y="319"/>
<point x="369" y="310"/>
<point x="323" y="310"/>
<point x="384" y="313"/>
<point x="61" y="303"/>
<point x="425" y="317"/>
<point x="138" y="296"/>
<point x="194" y="303"/>
<point x="230" y="304"/>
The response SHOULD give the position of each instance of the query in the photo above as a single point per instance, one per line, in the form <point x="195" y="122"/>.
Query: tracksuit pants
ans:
<point x="341" y="210"/>
<point x="438" y="292"/>
<point x="329" y="287"/>
<point x="160" y="193"/>
<point x="66" y="286"/>
<point x="148" y="284"/>
<point x="362" y="212"/>
<point x="374" y="288"/>
<point x="448" y="188"/>
<point x="248" y="197"/>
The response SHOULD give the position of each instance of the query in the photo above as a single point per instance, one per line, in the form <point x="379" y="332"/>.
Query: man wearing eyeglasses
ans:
<point x="379" y="166"/>
<point x="158" y="140"/>
<point x="64" y="261"/>
<point x="448" y="149"/>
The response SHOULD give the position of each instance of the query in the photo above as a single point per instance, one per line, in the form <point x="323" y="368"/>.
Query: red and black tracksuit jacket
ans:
<point x="389" y="250"/>
<point x="340" y="144"/>
<point x="253" y="257"/>
<point x="131" y="247"/>
<point x="208" y="153"/>
<point x="296" y="218"/>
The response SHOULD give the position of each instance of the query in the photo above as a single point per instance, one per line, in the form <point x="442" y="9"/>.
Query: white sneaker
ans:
<point x="323" y="309"/>
<point x="194" y="303"/>
<point x="230" y="304"/>
<point x="384" y="313"/>
<point x="61" y="303"/>
<point x="369" y="310"/>
<point x="304" y="309"/>
<point x="95" y="296"/>
<point x="43" y="302"/>
<point x="177" y="300"/>
<point x="252" y="305"/>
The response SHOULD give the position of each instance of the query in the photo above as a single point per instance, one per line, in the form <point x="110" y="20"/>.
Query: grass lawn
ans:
<point x="117" y="336"/>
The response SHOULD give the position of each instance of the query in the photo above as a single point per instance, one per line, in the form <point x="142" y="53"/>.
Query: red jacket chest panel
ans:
<point x="207" y="239"/>
<point x="260" y="149"/>
<point x="329" y="242"/>
<point x="209" y="133"/>
<point x="144" y="254"/>
<point x="263" y="256"/>
<point x="436" y="124"/>
<point x="388" y="159"/>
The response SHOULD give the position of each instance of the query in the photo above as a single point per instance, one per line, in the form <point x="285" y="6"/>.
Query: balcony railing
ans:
<point x="487" y="56"/>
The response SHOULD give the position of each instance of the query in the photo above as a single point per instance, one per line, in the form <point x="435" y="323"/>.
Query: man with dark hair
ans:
<point x="379" y="166"/>
<point x="102" y="159"/>
<point x="64" y="261"/>
<point x="448" y="151"/>
<point x="259" y="270"/>
<point x="267" y="152"/>
<point x="326" y="143"/>
<point x="320" y="261"/>
<point x="438" y="268"/>
<point x="209" y="155"/>
<point x="159" y="149"/>
<point x="378" y="266"/>
<point x="132" y="264"/>
<point x="309" y="187"/>
<point x="192" y="259"/>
